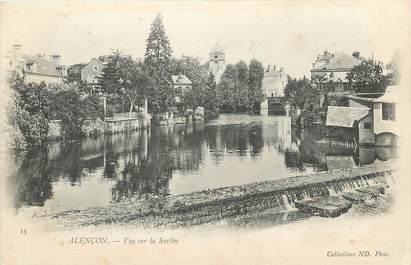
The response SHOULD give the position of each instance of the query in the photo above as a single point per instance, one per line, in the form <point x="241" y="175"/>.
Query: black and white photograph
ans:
<point x="205" y="132"/>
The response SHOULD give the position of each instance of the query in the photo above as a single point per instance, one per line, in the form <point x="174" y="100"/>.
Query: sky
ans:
<point x="287" y="34"/>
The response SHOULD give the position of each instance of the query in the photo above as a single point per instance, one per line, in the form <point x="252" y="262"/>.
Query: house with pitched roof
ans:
<point x="92" y="72"/>
<point x="350" y="124"/>
<point x="36" y="68"/>
<point x="181" y="83"/>
<point x="335" y="66"/>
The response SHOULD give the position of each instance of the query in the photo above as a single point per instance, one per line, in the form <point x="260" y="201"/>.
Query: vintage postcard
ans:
<point x="205" y="132"/>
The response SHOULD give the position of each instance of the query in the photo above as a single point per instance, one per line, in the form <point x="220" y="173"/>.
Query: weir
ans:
<point x="231" y="202"/>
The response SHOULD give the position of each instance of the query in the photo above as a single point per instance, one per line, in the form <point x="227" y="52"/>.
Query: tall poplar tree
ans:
<point x="255" y="80"/>
<point x="158" y="61"/>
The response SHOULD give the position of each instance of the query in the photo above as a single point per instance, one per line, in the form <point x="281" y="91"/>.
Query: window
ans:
<point x="29" y="67"/>
<point x="367" y="125"/>
<point x="95" y="68"/>
<point x="388" y="111"/>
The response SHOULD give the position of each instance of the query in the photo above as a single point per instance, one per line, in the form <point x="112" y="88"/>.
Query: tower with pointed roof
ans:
<point x="217" y="62"/>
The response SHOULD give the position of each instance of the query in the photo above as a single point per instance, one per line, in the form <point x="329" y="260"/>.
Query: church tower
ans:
<point x="217" y="62"/>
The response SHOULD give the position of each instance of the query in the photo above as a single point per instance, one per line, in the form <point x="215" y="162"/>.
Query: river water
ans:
<point x="177" y="159"/>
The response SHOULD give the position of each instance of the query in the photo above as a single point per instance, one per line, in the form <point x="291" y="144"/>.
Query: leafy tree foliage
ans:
<point x="35" y="105"/>
<point x="125" y="77"/>
<point x="368" y="77"/>
<point x="226" y="89"/>
<point x="211" y="100"/>
<point x="75" y="110"/>
<point x="74" y="77"/>
<point x="74" y="73"/>
<point x="303" y="95"/>
<point x="256" y="76"/>
<point x="240" y="87"/>
<point x="31" y="110"/>
<point x="203" y="92"/>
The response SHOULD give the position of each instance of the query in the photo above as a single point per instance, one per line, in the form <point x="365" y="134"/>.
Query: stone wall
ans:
<point x="122" y="125"/>
<point x="97" y="126"/>
<point x="213" y="205"/>
<point x="94" y="127"/>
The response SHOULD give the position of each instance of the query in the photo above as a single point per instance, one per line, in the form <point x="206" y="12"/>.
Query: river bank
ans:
<point x="213" y="205"/>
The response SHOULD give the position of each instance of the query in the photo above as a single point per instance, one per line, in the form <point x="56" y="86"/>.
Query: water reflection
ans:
<point x="233" y="150"/>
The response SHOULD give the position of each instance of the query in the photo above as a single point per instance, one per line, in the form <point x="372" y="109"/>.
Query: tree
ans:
<point x="203" y="92"/>
<point x="226" y="89"/>
<point x="368" y="77"/>
<point x="31" y="110"/>
<point x="256" y="94"/>
<point x="240" y="87"/>
<point x="125" y="77"/>
<point x="211" y="100"/>
<point x="134" y="81"/>
<point x="74" y="110"/>
<point x="74" y="76"/>
<point x="296" y="90"/>
<point x="157" y="59"/>
<point x="73" y="73"/>
<point x="303" y="95"/>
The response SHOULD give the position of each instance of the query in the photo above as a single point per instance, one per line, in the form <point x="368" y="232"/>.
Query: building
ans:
<point x="384" y="113"/>
<point x="181" y="83"/>
<point x="36" y="68"/>
<point x="274" y="81"/>
<point x="350" y="124"/>
<point x="386" y="127"/>
<point x="217" y="62"/>
<point x="273" y="85"/>
<point x="92" y="72"/>
<point x="329" y="66"/>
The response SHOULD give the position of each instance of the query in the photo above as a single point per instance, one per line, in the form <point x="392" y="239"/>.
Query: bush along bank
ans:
<point x="38" y="112"/>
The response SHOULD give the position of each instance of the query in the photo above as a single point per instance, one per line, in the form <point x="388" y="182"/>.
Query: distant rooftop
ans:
<point x="339" y="61"/>
<point x="44" y="66"/>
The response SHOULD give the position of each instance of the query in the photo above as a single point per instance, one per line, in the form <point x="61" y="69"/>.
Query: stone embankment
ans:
<point x="117" y="124"/>
<point x="350" y="185"/>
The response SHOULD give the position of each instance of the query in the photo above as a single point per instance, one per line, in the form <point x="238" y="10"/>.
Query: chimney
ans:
<point x="356" y="55"/>
<point x="268" y="68"/>
<point x="16" y="56"/>
<point x="55" y="59"/>
<point x="274" y="68"/>
<point x="282" y="69"/>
